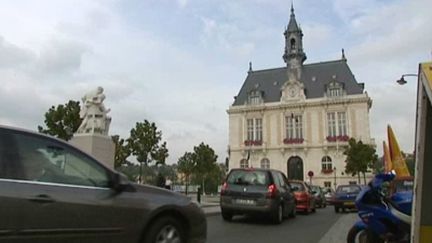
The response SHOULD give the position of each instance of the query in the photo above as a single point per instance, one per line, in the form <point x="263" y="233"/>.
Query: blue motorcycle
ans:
<point x="382" y="219"/>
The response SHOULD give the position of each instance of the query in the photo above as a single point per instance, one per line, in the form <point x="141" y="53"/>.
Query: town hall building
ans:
<point x="298" y="118"/>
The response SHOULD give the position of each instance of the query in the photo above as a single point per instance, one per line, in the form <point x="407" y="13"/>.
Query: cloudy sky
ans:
<point x="179" y="63"/>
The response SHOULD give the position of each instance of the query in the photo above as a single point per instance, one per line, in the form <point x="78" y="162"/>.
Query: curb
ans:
<point x="212" y="214"/>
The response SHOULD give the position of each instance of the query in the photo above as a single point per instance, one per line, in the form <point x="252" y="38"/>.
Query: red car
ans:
<point x="305" y="200"/>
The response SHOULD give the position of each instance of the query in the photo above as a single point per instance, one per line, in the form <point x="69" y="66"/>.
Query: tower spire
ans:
<point x="293" y="55"/>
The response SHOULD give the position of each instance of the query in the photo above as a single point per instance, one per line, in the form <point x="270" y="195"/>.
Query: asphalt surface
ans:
<point x="304" y="228"/>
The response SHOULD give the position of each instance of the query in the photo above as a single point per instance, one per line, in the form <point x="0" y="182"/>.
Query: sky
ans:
<point x="179" y="63"/>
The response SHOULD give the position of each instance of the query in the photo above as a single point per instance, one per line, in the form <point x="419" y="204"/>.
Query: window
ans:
<point x="255" y="98"/>
<point x="342" y="124"/>
<point x="294" y="126"/>
<point x="258" y="129"/>
<point x="254" y="129"/>
<point x="293" y="44"/>
<point x="334" y="92"/>
<point x="337" y="124"/>
<point x="327" y="184"/>
<point x="265" y="163"/>
<point x="326" y="163"/>
<point x="244" y="163"/>
<point x="46" y="160"/>
<point x="250" y="129"/>
<point x="331" y="121"/>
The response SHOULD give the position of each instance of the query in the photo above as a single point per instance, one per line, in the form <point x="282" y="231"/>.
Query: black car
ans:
<point x="320" y="199"/>
<point x="51" y="191"/>
<point x="257" y="191"/>
<point x="344" y="197"/>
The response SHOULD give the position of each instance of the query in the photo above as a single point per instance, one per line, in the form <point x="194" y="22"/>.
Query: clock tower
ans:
<point x="294" y="55"/>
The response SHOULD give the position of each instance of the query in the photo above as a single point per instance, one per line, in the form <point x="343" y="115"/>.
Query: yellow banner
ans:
<point x="388" y="166"/>
<point x="399" y="164"/>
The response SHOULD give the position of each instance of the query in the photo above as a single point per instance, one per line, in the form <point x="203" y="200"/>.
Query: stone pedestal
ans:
<point x="99" y="146"/>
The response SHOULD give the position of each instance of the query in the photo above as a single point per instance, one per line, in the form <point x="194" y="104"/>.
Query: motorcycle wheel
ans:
<point x="357" y="235"/>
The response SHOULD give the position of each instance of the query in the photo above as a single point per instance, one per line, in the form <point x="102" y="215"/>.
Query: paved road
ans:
<point x="304" y="228"/>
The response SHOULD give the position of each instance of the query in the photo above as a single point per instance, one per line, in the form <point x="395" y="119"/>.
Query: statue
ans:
<point x="94" y="114"/>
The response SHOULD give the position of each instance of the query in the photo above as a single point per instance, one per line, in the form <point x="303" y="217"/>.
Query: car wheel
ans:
<point x="314" y="208"/>
<point x="226" y="216"/>
<point x="277" y="216"/>
<point x="336" y="209"/>
<point x="165" y="229"/>
<point x="343" y="210"/>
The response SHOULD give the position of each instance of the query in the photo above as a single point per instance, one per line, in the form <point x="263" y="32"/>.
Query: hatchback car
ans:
<point x="257" y="191"/>
<point x="51" y="191"/>
<point x="305" y="200"/>
<point x="344" y="197"/>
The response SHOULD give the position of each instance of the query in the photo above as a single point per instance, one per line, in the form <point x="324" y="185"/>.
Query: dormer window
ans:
<point x="334" y="92"/>
<point x="255" y="97"/>
<point x="335" y="89"/>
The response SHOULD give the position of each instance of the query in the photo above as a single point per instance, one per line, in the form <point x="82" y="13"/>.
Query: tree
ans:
<point x="360" y="157"/>
<point x="186" y="166"/>
<point x="62" y="121"/>
<point x="161" y="154"/>
<point x="144" y="144"/>
<point x="122" y="151"/>
<point x="204" y="159"/>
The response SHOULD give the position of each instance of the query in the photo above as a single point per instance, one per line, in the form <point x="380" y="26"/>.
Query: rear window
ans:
<point x="348" y="189"/>
<point x="297" y="186"/>
<point x="246" y="177"/>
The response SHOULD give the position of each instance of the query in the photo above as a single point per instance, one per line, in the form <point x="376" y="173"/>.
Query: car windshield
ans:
<point x="348" y="189"/>
<point x="316" y="189"/>
<point x="297" y="186"/>
<point x="248" y="177"/>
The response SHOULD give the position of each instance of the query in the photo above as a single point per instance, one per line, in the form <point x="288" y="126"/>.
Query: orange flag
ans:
<point x="388" y="165"/>
<point x="399" y="164"/>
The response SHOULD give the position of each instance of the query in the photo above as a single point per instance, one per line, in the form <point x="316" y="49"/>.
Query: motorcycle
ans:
<point x="382" y="219"/>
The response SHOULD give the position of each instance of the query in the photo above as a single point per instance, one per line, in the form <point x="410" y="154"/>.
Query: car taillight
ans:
<point x="271" y="191"/>
<point x="224" y="188"/>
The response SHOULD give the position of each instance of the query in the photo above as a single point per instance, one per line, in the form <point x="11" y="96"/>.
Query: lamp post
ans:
<point x="334" y="170"/>
<point x="402" y="80"/>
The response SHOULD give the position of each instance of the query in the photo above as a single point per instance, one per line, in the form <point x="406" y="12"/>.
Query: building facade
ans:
<point x="298" y="118"/>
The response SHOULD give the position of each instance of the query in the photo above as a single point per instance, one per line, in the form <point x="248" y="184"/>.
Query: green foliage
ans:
<point x="360" y="157"/>
<point x="186" y="166"/>
<point x="144" y="142"/>
<point x="122" y="151"/>
<point x="161" y="154"/>
<point x="62" y="121"/>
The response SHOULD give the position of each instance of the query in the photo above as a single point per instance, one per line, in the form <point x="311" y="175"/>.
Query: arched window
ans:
<point x="293" y="44"/>
<point x="265" y="163"/>
<point x="244" y="163"/>
<point x="326" y="163"/>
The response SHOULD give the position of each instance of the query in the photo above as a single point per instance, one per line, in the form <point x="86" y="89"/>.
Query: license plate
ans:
<point x="244" y="202"/>
<point x="349" y="203"/>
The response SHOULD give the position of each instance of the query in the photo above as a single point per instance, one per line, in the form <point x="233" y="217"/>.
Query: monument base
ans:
<point x="99" y="146"/>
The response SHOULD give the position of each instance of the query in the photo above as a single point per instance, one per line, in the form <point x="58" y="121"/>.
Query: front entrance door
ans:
<point x="295" y="168"/>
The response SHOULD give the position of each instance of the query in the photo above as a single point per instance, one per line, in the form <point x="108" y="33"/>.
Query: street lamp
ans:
<point x="402" y="81"/>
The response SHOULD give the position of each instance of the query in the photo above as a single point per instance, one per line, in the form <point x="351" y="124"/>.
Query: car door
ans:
<point x="290" y="199"/>
<point x="71" y="201"/>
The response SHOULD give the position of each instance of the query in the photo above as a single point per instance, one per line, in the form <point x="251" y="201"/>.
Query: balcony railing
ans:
<point x="293" y="140"/>
<point x="253" y="142"/>
<point x="341" y="138"/>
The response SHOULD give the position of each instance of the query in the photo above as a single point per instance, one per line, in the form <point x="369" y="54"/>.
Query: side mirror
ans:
<point x="119" y="182"/>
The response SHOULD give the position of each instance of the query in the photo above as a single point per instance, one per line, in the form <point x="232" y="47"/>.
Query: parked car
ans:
<point x="345" y="196"/>
<point x="329" y="195"/>
<point x="51" y="191"/>
<point x="257" y="192"/>
<point x="319" y="196"/>
<point x="305" y="200"/>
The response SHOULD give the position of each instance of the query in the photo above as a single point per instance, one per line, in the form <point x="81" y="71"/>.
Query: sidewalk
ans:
<point x="209" y="204"/>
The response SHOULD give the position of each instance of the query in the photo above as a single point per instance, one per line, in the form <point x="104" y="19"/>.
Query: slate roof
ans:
<point x="315" y="77"/>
